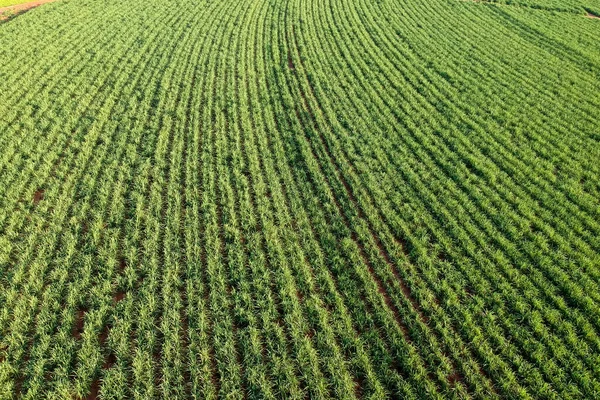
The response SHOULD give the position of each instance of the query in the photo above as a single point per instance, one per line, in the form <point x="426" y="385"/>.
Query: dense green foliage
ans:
<point x="572" y="6"/>
<point x="300" y="198"/>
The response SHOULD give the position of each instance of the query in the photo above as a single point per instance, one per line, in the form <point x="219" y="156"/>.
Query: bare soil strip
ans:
<point x="7" y="12"/>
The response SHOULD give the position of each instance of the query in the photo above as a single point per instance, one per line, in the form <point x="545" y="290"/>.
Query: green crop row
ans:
<point x="300" y="199"/>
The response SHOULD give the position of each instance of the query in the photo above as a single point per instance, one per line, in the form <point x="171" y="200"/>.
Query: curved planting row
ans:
<point x="299" y="199"/>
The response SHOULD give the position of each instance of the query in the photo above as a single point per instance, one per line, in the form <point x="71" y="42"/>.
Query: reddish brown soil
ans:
<point x="103" y="335"/>
<point x="8" y="12"/>
<point x="122" y="265"/>
<point x="590" y="15"/>
<point x="38" y="196"/>
<point x="454" y="378"/>
<point x="111" y="360"/>
<point x="94" y="390"/>
<point x="79" y="324"/>
<point x="118" y="297"/>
